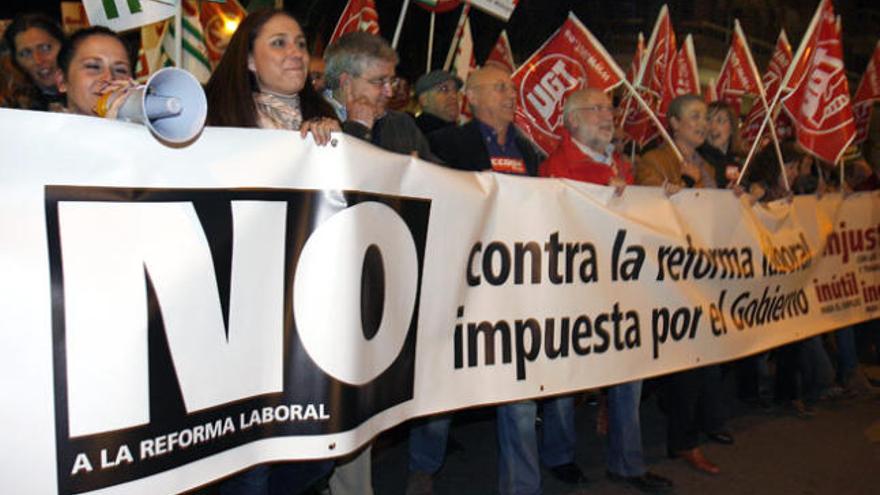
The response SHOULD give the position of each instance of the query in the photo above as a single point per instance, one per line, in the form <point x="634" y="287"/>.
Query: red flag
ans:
<point x="358" y="15"/>
<point x="220" y="20"/>
<point x="501" y="53"/>
<point x="682" y="77"/>
<point x="438" y="6"/>
<point x="651" y="79"/>
<point x="710" y="94"/>
<point x="771" y="81"/>
<point x="571" y="59"/>
<point x="738" y="75"/>
<point x="867" y="94"/>
<point x="636" y="65"/>
<point x="819" y="102"/>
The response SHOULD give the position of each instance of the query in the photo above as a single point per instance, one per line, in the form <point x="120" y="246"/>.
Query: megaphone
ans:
<point x="172" y="105"/>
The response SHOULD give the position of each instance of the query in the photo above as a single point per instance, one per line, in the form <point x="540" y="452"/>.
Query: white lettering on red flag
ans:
<point x="501" y="53"/>
<point x="571" y="59"/>
<point x="819" y="104"/>
<point x="867" y="94"/>
<point x="651" y="79"/>
<point x="682" y="77"/>
<point x="359" y="15"/>
<point x="738" y="75"/>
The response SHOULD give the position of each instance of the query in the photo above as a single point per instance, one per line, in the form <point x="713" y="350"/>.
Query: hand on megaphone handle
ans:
<point x="320" y="129"/>
<point x="113" y="95"/>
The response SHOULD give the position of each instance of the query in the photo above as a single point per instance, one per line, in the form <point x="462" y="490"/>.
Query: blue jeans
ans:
<point x="624" y="430"/>
<point x="519" y="472"/>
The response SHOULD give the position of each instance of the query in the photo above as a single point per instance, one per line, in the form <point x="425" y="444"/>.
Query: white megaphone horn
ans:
<point x="172" y="105"/>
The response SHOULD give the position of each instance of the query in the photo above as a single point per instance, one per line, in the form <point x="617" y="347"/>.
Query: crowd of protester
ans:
<point x="267" y="79"/>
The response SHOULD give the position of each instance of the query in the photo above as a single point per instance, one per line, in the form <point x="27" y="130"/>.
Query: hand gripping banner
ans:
<point x="175" y="315"/>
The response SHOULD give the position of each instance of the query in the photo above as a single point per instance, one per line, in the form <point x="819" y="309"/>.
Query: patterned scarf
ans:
<point x="278" y="112"/>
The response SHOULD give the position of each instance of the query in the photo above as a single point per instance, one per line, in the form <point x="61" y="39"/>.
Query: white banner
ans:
<point x="121" y="15"/>
<point x="171" y="316"/>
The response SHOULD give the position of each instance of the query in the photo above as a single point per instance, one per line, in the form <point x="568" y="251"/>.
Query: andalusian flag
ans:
<point x="120" y="15"/>
<point x="195" y="53"/>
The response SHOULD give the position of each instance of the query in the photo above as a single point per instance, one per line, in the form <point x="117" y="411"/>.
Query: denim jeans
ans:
<point x="624" y="456"/>
<point x="519" y="471"/>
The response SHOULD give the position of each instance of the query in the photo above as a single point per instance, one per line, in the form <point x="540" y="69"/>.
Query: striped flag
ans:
<point x="195" y="53"/>
<point x="121" y="15"/>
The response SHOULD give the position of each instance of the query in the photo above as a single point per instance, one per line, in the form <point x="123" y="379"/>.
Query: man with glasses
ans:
<point x="587" y="153"/>
<point x="491" y="142"/>
<point x="438" y="95"/>
<point x="359" y="73"/>
<point x="360" y="81"/>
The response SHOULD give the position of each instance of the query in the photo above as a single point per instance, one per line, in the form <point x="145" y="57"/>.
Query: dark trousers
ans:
<point x="681" y="394"/>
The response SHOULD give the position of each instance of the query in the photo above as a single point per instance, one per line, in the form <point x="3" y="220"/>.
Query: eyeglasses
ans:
<point x="597" y="108"/>
<point x="381" y="82"/>
<point x="501" y="87"/>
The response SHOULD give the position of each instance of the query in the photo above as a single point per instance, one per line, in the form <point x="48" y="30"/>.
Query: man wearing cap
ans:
<point x="438" y="95"/>
<point x="491" y="142"/>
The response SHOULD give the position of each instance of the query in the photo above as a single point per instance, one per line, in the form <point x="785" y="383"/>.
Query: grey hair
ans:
<point x="573" y="102"/>
<point x="676" y="106"/>
<point x="352" y="53"/>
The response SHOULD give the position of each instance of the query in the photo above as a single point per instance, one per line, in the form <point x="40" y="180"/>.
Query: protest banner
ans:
<point x="174" y="315"/>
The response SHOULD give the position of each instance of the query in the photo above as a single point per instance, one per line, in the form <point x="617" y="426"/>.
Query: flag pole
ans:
<point x="430" y="42"/>
<point x="794" y="62"/>
<point x="178" y="35"/>
<point x="457" y="36"/>
<point x="763" y="93"/>
<point x="399" y="24"/>
<point x="644" y="104"/>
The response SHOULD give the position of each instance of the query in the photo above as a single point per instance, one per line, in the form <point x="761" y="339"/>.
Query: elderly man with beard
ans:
<point x="491" y="142"/>
<point x="587" y="154"/>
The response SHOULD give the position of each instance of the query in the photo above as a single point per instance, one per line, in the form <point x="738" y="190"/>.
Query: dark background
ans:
<point x="615" y="23"/>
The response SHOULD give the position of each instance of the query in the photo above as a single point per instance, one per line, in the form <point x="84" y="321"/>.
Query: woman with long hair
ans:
<point x="262" y="80"/>
<point x="35" y="40"/>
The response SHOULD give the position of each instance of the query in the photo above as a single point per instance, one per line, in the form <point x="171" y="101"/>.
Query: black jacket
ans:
<point x="463" y="148"/>
<point x="394" y="131"/>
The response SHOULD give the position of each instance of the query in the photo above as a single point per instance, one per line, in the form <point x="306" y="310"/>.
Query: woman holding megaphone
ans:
<point x="95" y="72"/>
<point x="262" y="80"/>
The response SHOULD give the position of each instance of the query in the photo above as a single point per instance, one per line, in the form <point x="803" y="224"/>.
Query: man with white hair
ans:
<point x="587" y="153"/>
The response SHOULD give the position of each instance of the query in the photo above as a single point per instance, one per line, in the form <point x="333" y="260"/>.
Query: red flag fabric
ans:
<point x="571" y="59"/>
<point x="220" y="21"/>
<point x="771" y="81"/>
<point x="358" y="15"/>
<point x="867" y="94"/>
<point x="651" y="79"/>
<point x="635" y="66"/>
<point x="439" y="6"/>
<point x="819" y="104"/>
<point x="710" y="94"/>
<point x="501" y="53"/>
<point x="629" y="108"/>
<point x="682" y="77"/>
<point x="738" y="75"/>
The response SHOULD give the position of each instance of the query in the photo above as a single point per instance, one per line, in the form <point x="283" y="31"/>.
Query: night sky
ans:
<point x="535" y="20"/>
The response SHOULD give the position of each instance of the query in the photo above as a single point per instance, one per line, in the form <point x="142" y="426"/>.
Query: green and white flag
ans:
<point x="121" y="15"/>
<point x="195" y="53"/>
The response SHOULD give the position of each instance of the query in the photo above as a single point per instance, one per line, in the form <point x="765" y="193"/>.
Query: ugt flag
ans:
<point x="772" y="82"/>
<point x="358" y="15"/>
<point x="819" y="102"/>
<point x="571" y="59"/>
<point x="738" y="75"/>
<point x="866" y="95"/>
